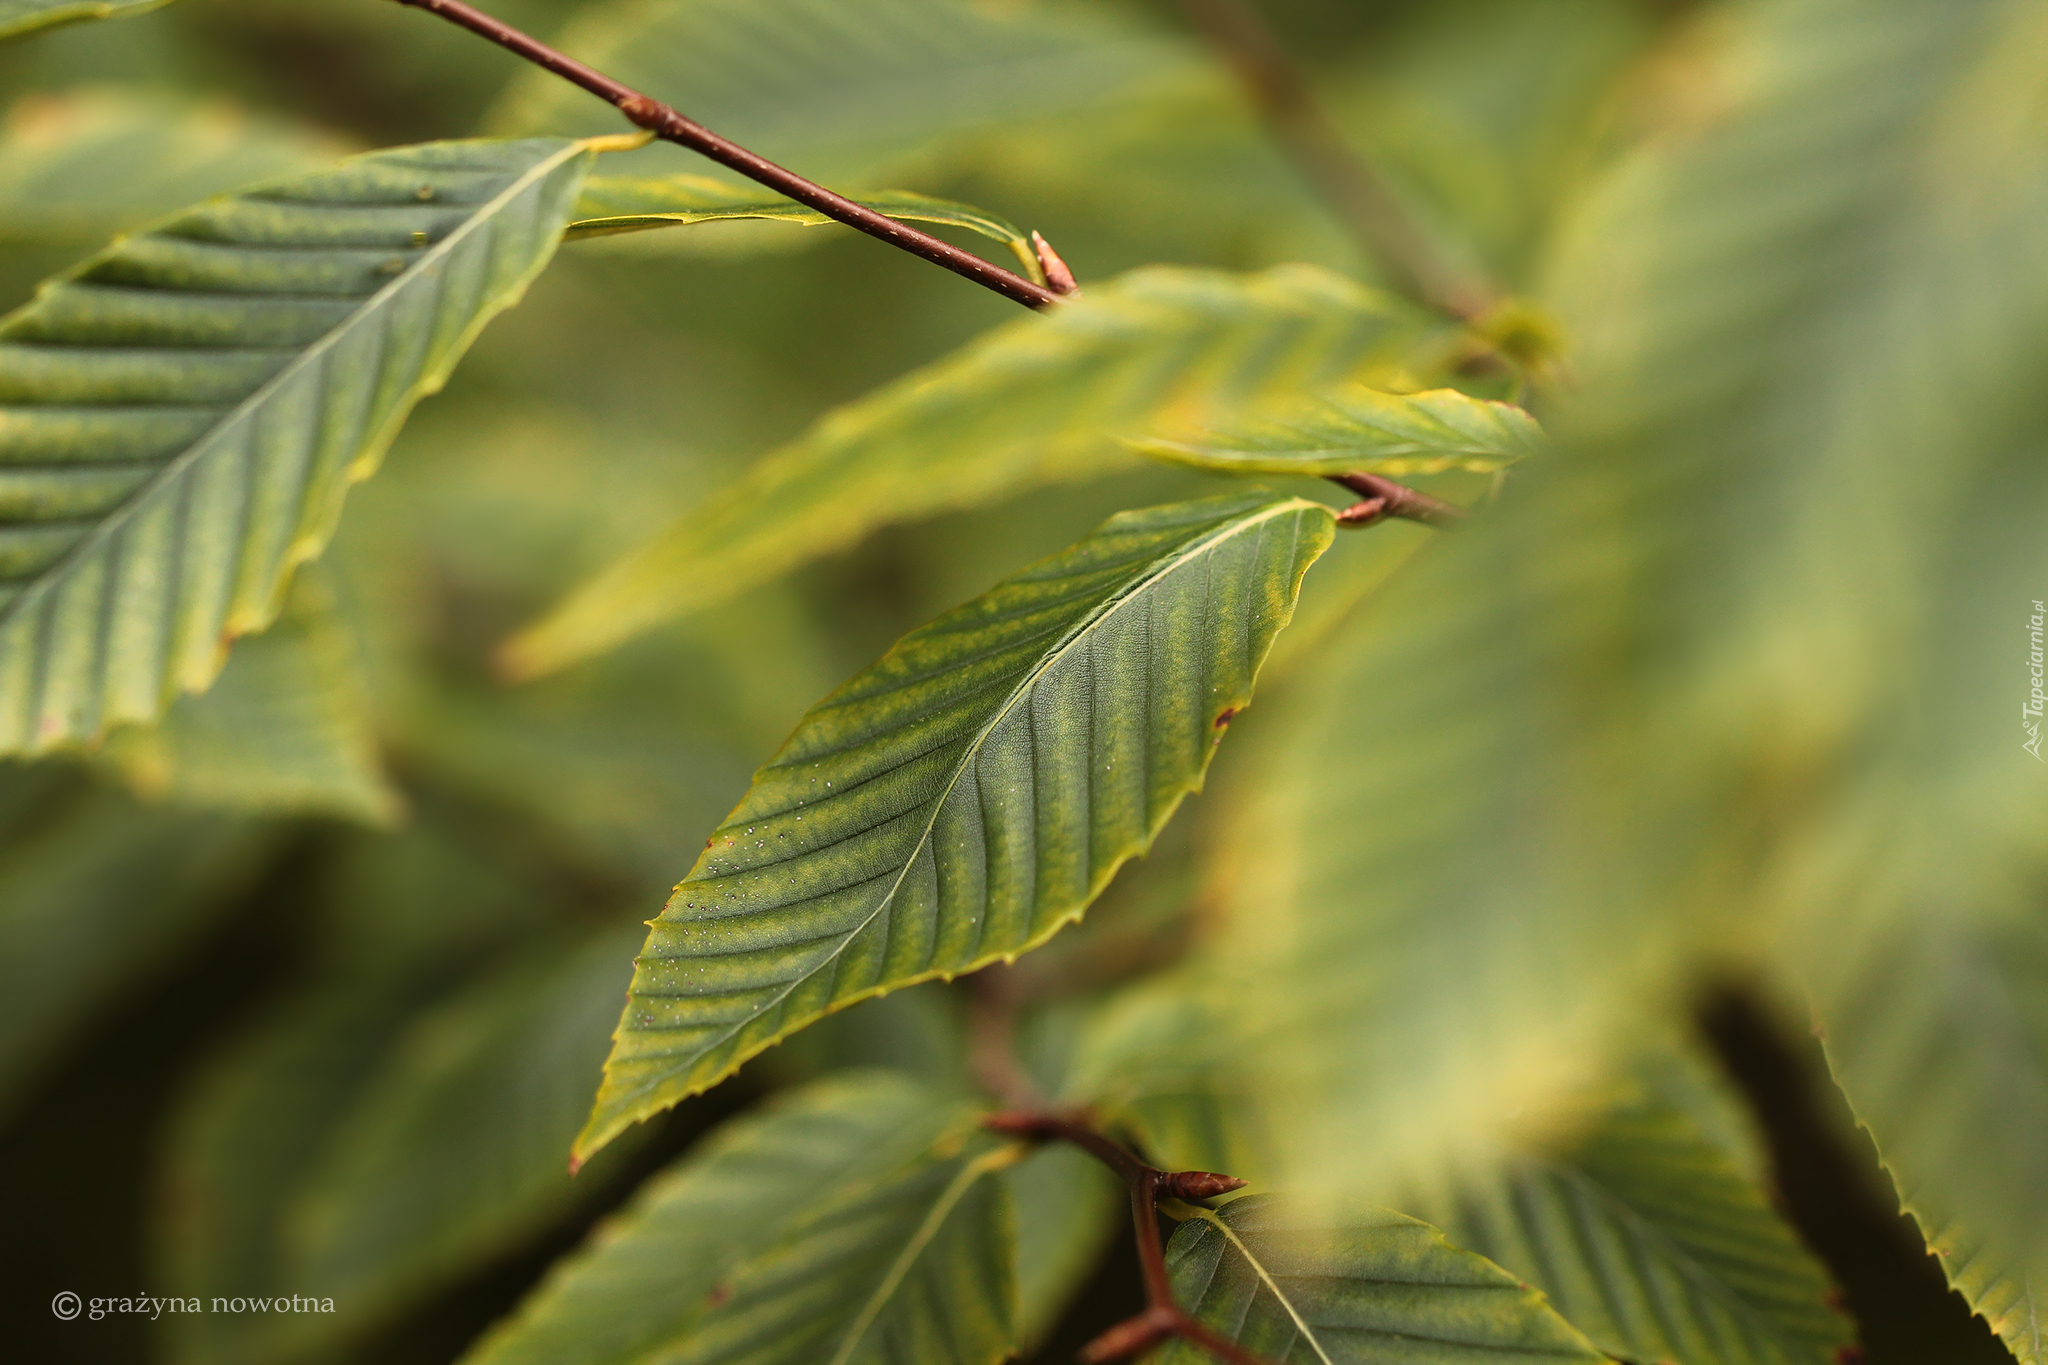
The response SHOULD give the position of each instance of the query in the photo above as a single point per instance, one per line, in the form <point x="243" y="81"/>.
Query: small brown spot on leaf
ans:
<point x="1227" y="715"/>
<point x="720" y="1295"/>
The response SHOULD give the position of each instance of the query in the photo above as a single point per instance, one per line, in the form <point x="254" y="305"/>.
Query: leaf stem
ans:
<point x="1162" y="1317"/>
<point x="670" y="126"/>
<point x="1346" y="180"/>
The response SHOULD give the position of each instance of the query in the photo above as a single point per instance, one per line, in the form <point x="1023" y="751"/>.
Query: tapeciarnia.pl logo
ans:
<point x="2030" y="713"/>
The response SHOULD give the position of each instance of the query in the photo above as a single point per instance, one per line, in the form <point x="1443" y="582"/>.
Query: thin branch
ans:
<point x="1346" y="180"/>
<point x="670" y="126"/>
<point x="1162" y="1317"/>
<point x="1384" y="498"/>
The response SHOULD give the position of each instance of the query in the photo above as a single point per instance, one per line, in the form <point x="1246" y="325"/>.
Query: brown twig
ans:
<point x="1346" y="180"/>
<point x="670" y="126"/>
<point x="1384" y="498"/>
<point x="1162" y="1317"/>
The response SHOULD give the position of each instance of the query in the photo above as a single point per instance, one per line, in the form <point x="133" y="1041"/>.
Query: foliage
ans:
<point x="1686" y="670"/>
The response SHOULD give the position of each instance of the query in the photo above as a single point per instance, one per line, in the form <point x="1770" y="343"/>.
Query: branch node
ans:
<point x="1132" y="1336"/>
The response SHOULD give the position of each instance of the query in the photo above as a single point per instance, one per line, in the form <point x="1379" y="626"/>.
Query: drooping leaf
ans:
<point x="1651" y="1242"/>
<point x="844" y="89"/>
<point x="1039" y="401"/>
<point x="26" y="16"/>
<point x="611" y="205"/>
<point x="285" y="729"/>
<point x="1357" y="428"/>
<point x="77" y="167"/>
<point x="94" y="890"/>
<point x="181" y="415"/>
<point x="848" y="1220"/>
<point x="1364" y="1287"/>
<point x="962" y="798"/>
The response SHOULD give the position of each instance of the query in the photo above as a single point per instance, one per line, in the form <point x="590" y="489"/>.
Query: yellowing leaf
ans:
<point x="1357" y="428"/>
<point x="1042" y="400"/>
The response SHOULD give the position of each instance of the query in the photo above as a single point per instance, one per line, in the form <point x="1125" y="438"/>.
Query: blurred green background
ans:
<point x="262" y="1023"/>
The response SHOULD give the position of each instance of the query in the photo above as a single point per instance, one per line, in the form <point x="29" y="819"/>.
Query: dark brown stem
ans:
<point x="1384" y="498"/>
<point x="1162" y="1317"/>
<point x="1346" y="180"/>
<point x="670" y="126"/>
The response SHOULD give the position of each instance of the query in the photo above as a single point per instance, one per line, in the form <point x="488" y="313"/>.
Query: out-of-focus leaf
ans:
<point x="1613" y="732"/>
<point x="457" y="1146"/>
<point x="1068" y="1208"/>
<point x="76" y="168"/>
<point x="842" y="89"/>
<point x="1651" y="1242"/>
<point x="1325" y="1287"/>
<point x="181" y="415"/>
<point x="285" y="729"/>
<point x="1149" y="1065"/>
<point x="1834" y="291"/>
<point x="401" y="920"/>
<point x="611" y="205"/>
<point x="964" y="797"/>
<point x="93" y="890"/>
<point x="1937" y="1030"/>
<point x="1040" y="401"/>
<point x="1357" y="428"/>
<point x="26" y="16"/>
<point x="854" y="1220"/>
<point x="236" y="1156"/>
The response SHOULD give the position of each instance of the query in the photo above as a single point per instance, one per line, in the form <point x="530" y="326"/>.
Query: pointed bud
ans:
<point x="1058" y="278"/>
<point x="1197" y="1184"/>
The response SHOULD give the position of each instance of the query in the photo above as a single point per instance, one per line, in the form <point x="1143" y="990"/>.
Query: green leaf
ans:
<point x="235" y="1156"/>
<point x="454" y="1149"/>
<point x="184" y="411"/>
<point x="1329" y="1288"/>
<point x="1936" y="1026"/>
<point x="286" y="728"/>
<point x="845" y="89"/>
<point x="965" y="796"/>
<point x="611" y="205"/>
<point x="77" y="167"/>
<point x="1357" y="428"/>
<point x="94" y="890"/>
<point x="1039" y="401"/>
<point x="1069" y="1208"/>
<point x="849" y="1220"/>
<point x="401" y="923"/>
<point x="1651" y="1241"/>
<point x="26" y="16"/>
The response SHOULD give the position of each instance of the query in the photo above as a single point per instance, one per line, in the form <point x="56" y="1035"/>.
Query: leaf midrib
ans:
<point x="1157" y="571"/>
<point x="1265" y="1278"/>
<point x="174" y="467"/>
<point x="955" y="1190"/>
